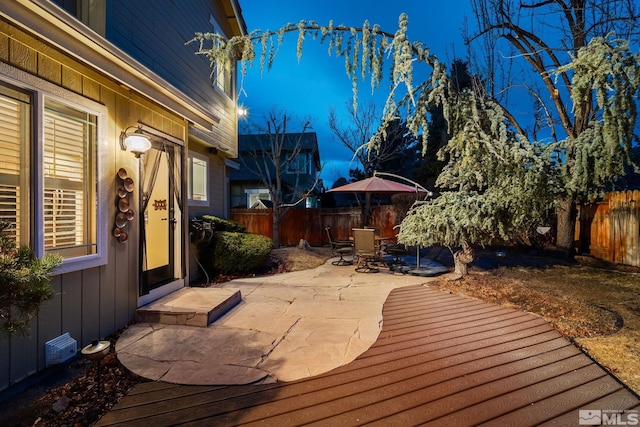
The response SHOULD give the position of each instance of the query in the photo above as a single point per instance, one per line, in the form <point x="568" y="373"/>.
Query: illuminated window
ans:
<point x="69" y="180"/>
<point x="198" y="166"/>
<point x="15" y="176"/>
<point x="49" y="192"/>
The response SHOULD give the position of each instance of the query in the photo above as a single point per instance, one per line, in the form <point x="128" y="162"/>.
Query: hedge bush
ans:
<point x="220" y="224"/>
<point x="237" y="254"/>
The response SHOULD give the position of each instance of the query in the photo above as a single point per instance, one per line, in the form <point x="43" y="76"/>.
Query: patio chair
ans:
<point x="396" y="250"/>
<point x="376" y="229"/>
<point x="340" y="248"/>
<point x="365" y="249"/>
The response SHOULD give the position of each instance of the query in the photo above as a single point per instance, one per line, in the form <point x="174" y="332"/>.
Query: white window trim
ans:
<point x="204" y="203"/>
<point x="42" y="88"/>
<point x="227" y="91"/>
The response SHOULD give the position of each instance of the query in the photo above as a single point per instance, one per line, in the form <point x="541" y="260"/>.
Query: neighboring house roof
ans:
<point x="256" y="143"/>
<point x="250" y="145"/>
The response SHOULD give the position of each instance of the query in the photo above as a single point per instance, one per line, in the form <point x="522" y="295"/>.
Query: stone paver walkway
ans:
<point x="287" y="327"/>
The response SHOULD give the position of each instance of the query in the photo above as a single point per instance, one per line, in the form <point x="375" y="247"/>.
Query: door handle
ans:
<point x="173" y="221"/>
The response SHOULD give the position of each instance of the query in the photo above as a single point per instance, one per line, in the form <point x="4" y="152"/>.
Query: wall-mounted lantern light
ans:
<point x="136" y="142"/>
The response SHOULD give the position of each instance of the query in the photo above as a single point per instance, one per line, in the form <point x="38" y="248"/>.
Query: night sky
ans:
<point x="309" y="88"/>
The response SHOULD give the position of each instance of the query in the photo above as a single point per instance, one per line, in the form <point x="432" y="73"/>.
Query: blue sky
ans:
<point x="309" y="88"/>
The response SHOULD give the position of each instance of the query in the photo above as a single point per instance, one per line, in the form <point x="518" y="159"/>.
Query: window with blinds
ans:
<point x="51" y="143"/>
<point x="15" y="134"/>
<point x="69" y="180"/>
<point x="68" y="168"/>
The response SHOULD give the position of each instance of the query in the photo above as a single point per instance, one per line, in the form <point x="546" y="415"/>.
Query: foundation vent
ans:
<point x="60" y="349"/>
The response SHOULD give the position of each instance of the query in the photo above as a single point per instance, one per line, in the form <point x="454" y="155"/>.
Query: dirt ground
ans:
<point x="595" y="305"/>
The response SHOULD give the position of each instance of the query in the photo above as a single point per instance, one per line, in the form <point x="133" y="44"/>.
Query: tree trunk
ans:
<point x="275" y="218"/>
<point x="566" y="226"/>
<point x="462" y="259"/>
<point x="366" y="212"/>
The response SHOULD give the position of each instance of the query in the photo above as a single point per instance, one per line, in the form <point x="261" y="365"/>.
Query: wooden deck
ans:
<point x="439" y="360"/>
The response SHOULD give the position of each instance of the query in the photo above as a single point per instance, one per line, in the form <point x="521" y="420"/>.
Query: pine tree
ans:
<point x="24" y="283"/>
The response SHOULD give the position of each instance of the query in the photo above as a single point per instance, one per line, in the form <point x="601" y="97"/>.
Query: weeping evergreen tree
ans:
<point x="497" y="185"/>
<point x="497" y="181"/>
<point x="573" y="61"/>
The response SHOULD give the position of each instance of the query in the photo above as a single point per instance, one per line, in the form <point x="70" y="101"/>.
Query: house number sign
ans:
<point x="160" y="204"/>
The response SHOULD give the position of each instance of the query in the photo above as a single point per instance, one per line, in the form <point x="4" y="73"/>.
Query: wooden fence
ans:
<point x="310" y="224"/>
<point x="610" y="229"/>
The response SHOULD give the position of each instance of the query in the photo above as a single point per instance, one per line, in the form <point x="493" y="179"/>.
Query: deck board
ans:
<point x="439" y="360"/>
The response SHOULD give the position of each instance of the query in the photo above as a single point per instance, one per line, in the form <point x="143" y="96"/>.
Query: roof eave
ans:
<point x="48" y="22"/>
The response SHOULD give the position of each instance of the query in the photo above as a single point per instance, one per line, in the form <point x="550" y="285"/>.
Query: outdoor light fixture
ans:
<point x="136" y="142"/>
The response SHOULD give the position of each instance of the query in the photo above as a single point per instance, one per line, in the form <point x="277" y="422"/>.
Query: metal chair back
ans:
<point x="364" y="242"/>
<point x="341" y="248"/>
<point x="366" y="251"/>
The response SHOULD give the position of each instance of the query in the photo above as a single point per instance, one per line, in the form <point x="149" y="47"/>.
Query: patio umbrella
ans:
<point x="375" y="184"/>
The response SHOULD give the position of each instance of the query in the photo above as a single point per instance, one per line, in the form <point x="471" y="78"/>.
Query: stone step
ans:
<point x="189" y="306"/>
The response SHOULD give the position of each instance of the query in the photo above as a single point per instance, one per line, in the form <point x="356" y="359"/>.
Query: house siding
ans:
<point x="218" y="205"/>
<point x="247" y="177"/>
<point x="95" y="302"/>
<point x="219" y="185"/>
<point x="159" y="43"/>
<point x="145" y="76"/>
<point x="217" y="188"/>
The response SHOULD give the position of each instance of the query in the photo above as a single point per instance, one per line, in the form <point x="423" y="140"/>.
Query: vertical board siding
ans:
<point x="614" y="228"/>
<point x="624" y="226"/>
<point x="217" y="190"/>
<point x="90" y="317"/>
<point x="96" y="302"/>
<point x="71" y="306"/>
<point x="49" y="323"/>
<point x="159" y="43"/>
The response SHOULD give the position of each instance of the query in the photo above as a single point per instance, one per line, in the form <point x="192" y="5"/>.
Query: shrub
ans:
<point x="236" y="254"/>
<point x="24" y="283"/>
<point x="219" y="224"/>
